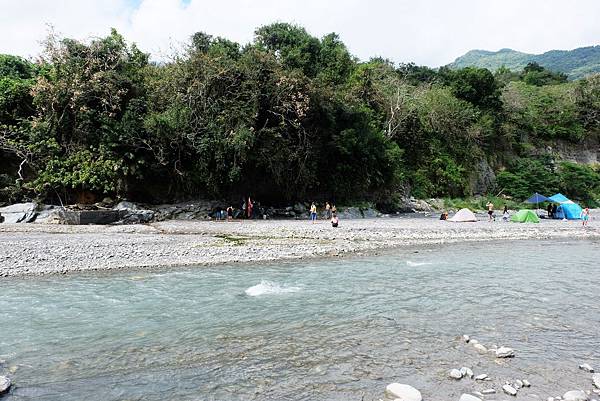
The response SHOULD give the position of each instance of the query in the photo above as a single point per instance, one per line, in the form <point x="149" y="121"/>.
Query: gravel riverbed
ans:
<point x="33" y="249"/>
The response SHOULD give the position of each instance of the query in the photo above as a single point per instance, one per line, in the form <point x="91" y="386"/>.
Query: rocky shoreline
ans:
<point x="35" y="249"/>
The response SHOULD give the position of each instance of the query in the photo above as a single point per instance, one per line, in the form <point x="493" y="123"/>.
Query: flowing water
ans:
<point x="313" y="330"/>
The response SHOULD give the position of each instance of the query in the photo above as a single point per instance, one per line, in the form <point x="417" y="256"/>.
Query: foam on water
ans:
<point x="269" y="288"/>
<point x="415" y="264"/>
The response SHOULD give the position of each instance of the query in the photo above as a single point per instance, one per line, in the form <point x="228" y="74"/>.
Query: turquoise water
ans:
<point x="315" y="330"/>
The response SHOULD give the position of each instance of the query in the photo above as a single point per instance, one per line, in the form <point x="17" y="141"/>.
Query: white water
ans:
<point x="269" y="288"/>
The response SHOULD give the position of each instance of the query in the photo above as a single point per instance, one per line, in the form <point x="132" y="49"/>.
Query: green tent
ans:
<point x="525" y="216"/>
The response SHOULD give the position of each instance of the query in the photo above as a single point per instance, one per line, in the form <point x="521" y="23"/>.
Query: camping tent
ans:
<point x="568" y="210"/>
<point x="463" y="215"/>
<point x="525" y="216"/>
<point x="558" y="198"/>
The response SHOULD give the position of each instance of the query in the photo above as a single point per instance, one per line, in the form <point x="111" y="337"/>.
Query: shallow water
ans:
<point x="318" y="330"/>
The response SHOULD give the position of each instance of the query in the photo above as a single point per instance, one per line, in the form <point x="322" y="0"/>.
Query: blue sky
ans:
<point x="428" y="32"/>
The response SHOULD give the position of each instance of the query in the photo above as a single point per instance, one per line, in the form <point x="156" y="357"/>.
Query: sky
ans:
<point x="426" y="32"/>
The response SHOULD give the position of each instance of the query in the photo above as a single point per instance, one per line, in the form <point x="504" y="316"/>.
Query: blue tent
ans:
<point x="536" y="198"/>
<point x="568" y="210"/>
<point x="558" y="198"/>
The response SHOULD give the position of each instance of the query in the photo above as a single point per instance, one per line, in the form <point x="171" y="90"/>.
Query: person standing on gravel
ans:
<point x="313" y="212"/>
<point x="328" y="210"/>
<point x="490" y="207"/>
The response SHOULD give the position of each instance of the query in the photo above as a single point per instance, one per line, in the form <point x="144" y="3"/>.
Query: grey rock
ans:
<point x="482" y="376"/>
<point x="480" y="348"/>
<point x="596" y="380"/>
<point x="125" y="205"/>
<point x="469" y="397"/>
<point x="4" y="384"/>
<point x="19" y="213"/>
<point x="456" y="374"/>
<point x="518" y="384"/>
<point x="526" y="383"/>
<point x="469" y="373"/>
<point x="474" y="341"/>
<point x="586" y="367"/>
<point x="510" y="390"/>
<point x="402" y="392"/>
<point x="489" y="391"/>
<point x="575" y="395"/>
<point x="505" y="352"/>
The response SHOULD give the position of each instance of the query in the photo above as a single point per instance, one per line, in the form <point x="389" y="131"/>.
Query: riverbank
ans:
<point x="29" y="249"/>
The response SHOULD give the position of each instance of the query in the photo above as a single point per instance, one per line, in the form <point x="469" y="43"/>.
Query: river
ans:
<point x="331" y="329"/>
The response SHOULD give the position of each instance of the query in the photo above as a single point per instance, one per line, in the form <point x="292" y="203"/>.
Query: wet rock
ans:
<point x="505" y="352"/>
<point x="466" y="338"/>
<point x="4" y="384"/>
<point x="480" y="348"/>
<point x="586" y="367"/>
<point x="455" y="374"/>
<point x="596" y="380"/>
<point x="510" y="390"/>
<point x="575" y="395"/>
<point x="469" y="397"/>
<point x="482" y="376"/>
<point x="402" y="392"/>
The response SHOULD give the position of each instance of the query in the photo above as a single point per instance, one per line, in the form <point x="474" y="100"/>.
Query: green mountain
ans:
<point x="576" y="63"/>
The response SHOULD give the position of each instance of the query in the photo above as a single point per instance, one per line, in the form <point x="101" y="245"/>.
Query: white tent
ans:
<point x="463" y="215"/>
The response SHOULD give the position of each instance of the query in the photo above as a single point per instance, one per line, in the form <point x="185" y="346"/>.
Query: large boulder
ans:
<point x="125" y="205"/>
<point x="19" y="213"/>
<point x="596" y="379"/>
<point x="469" y="397"/>
<point x="4" y="384"/>
<point x="575" y="395"/>
<point x="402" y="392"/>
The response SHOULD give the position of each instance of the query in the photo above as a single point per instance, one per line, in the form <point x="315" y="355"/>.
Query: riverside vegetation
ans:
<point x="288" y="116"/>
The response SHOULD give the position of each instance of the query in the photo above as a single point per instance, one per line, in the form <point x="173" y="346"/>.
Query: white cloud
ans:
<point x="430" y="32"/>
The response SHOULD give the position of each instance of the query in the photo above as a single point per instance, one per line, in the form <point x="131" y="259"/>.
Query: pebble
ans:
<point x="586" y="367"/>
<point x="575" y="395"/>
<point x="518" y="384"/>
<point x="489" y="391"/>
<point x="456" y="374"/>
<point x="526" y="383"/>
<point x="505" y="352"/>
<point x="470" y="373"/>
<point x="466" y="338"/>
<point x="510" y="390"/>
<point x="402" y="392"/>
<point x="469" y="397"/>
<point x="4" y="384"/>
<point x="482" y="376"/>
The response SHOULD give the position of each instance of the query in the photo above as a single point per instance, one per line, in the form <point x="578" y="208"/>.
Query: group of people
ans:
<point x="330" y="214"/>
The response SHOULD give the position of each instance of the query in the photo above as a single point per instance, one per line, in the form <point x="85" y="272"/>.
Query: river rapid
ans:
<point x="329" y="329"/>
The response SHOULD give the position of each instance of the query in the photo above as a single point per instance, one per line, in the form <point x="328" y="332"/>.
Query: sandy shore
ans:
<point x="30" y="249"/>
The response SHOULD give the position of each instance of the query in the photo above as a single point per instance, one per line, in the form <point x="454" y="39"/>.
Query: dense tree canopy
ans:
<point x="285" y="117"/>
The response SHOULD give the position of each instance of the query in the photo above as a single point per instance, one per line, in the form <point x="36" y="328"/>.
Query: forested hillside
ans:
<point x="576" y="64"/>
<point x="287" y="117"/>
